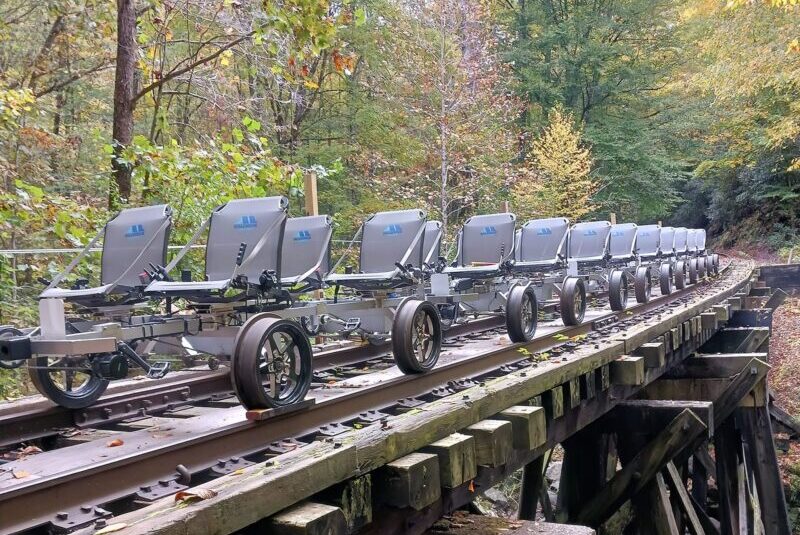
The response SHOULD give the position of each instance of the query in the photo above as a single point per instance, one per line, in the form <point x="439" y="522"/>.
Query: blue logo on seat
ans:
<point x="644" y="234"/>
<point x="246" y="222"/>
<point x="544" y="231"/>
<point x="488" y="231"/>
<point x="302" y="235"/>
<point x="392" y="230"/>
<point x="590" y="232"/>
<point x="617" y="234"/>
<point x="135" y="231"/>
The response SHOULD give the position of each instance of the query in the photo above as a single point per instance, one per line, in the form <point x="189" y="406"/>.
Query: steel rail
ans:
<point x="21" y="423"/>
<point x="197" y="446"/>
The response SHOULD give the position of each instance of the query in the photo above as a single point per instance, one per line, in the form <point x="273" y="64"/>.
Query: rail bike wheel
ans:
<point x="618" y="290"/>
<point x="68" y="381"/>
<point x="715" y="258"/>
<point x="701" y="266"/>
<point x="416" y="336"/>
<point x="681" y="271"/>
<point x="573" y="301"/>
<point x="522" y="314"/>
<point x="5" y="333"/>
<point x="710" y="265"/>
<point x="642" y="284"/>
<point x="271" y="365"/>
<point x="665" y="278"/>
<point x="693" y="275"/>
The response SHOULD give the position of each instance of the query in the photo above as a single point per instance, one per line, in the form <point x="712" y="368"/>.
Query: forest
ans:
<point x="656" y="110"/>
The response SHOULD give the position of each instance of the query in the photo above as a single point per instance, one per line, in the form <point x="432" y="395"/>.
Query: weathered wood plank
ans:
<point x="457" y="459"/>
<point x="705" y="366"/>
<point x="628" y="370"/>
<point x="677" y="488"/>
<point x="354" y="498"/>
<point x="533" y="481"/>
<point x="528" y="426"/>
<point x="642" y="468"/>
<point x="493" y="441"/>
<point x="411" y="481"/>
<point x="654" y="354"/>
<point x="308" y="519"/>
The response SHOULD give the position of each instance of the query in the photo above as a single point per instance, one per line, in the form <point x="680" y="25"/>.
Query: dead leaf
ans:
<point x="472" y="486"/>
<point x="188" y="496"/>
<point x="30" y="450"/>
<point x="20" y="474"/>
<point x="114" y="443"/>
<point x="111" y="528"/>
<point x="238" y="472"/>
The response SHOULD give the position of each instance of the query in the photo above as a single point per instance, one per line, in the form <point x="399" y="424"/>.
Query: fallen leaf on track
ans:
<point x="114" y="443"/>
<point x="111" y="528"/>
<point x="196" y="495"/>
<point x="20" y="474"/>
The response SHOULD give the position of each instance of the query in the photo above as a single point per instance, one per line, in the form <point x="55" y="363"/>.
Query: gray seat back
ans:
<point x="245" y="221"/>
<point x="542" y="240"/>
<point x="691" y="240"/>
<point x="622" y="240"/>
<point x="666" y="242"/>
<point x="589" y="241"/>
<point x="433" y="241"/>
<point x="306" y="245"/>
<point x="125" y="237"/>
<point x="681" y="237"/>
<point x="486" y="239"/>
<point x="387" y="237"/>
<point x="648" y="240"/>
<point x="701" y="239"/>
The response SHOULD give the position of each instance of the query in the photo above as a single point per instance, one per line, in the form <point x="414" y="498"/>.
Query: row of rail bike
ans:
<point x="268" y="288"/>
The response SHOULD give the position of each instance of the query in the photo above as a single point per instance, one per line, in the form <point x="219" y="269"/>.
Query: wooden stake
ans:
<point x="310" y="189"/>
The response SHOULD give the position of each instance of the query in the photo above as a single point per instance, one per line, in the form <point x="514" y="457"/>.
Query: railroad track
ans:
<point x="89" y="480"/>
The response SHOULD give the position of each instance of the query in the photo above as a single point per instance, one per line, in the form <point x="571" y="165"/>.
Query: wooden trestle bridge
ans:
<point x="663" y="415"/>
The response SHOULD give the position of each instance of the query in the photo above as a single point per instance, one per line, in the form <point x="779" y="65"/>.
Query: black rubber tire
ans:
<point x="715" y="256"/>
<point x="693" y="274"/>
<point x="618" y="290"/>
<point x="680" y="274"/>
<point x="80" y="398"/>
<point x="710" y="265"/>
<point x="8" y="332"/>
<point x="701" y="267"/>
<point x="420" y="318"/>
<point x="246" y="361"/>
<point x="522" y="314"/>
<point x="642" y="284"/>
<point x="573" y="301"/>
<point x="665" y="278"/>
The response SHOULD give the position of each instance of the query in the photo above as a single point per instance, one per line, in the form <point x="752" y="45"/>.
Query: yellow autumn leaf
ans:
<point x="225" y="58"/>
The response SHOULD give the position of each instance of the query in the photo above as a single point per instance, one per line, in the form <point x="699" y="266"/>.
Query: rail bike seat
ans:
<point x="541" y="245"/>
<point x="666" y="241"/>
<point x="485" y="245"/>
<point x="305" y="253"/>
<point x="691" y="241"/>
<point x="700" y="240"/>
<point x="131" y="241"/>
<point x="432" y="242"/>
<point x="681" y="238"/>
<point x="387" y="239"/>
<point x="622" y="242"/>
<point x="648" y="242"/>
<point x="244" y="241"/>
<point x="589" y="242"/>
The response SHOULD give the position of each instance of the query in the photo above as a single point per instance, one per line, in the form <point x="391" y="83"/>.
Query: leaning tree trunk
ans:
<point x="123" y="99"/>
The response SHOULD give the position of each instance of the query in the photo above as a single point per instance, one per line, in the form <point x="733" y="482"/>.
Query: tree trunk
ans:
<point x="124" y="104"/>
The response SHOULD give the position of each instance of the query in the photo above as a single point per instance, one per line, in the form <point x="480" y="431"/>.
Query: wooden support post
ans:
<point x="308" y="519"/>
<point x="531" y="487"/>
<point x="310" y="193"/>
<point x="612" y="217"/>
<point x="572" y="392"/>
<point x="708" y="321"/>
<point x="699" y="476"/>
<point x="628" y="371"/>
<point x="457" y="459"/>
<point x="354" y="498"/>
<point x="654" y="354"/>
<point x="654" y="511"/>
<point x="553" y="402"/>
<point x="722" y="311"/>
<point x="584" y="470"/>
<point x="677" y="488"/>
<point x="642" y="468"/>
<point x="493" y="440"/>
<point x="588" y="385"/>
<point x="528" y="426"/>
<point x="757" y="432"/>
<point x="603" y="378"/>
<point x="726" y="440"/>
<point x="411" y="481"/>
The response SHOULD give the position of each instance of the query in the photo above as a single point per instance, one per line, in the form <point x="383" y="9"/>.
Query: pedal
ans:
<point x="158" y="370"/>
<point x="351" y="325"/>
